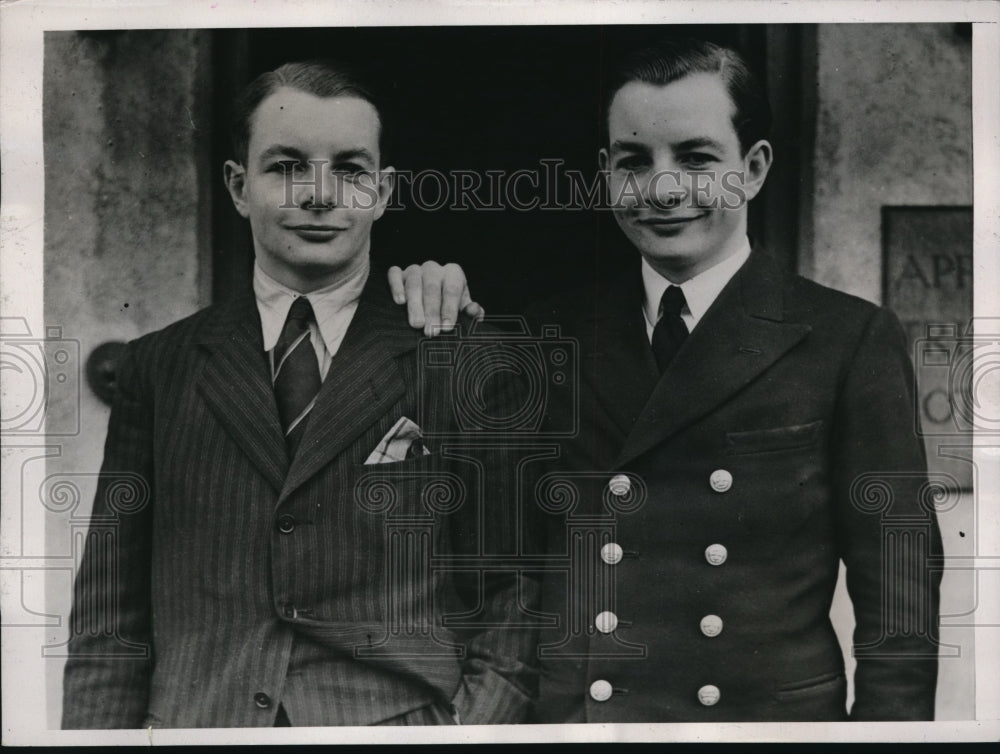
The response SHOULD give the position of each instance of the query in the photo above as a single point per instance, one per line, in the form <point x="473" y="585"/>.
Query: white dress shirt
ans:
<point x="699" y="292"/>
<point x="334" y="307"/>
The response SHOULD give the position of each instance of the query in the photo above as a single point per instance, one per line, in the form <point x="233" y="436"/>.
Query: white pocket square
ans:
<point x="402" y="442"/>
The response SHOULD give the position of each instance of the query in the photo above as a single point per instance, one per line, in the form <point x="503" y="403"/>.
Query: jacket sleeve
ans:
<point x="106" y="681"/>
<point x="499" y="674"/>
<point x="887" y="530"/>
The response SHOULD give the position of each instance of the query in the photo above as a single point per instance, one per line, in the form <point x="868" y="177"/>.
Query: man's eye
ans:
<point x="697" y="159"/>
<point x="349" y="170"/>
<point x="285" y="167"/>
<point x="631" y="163"/>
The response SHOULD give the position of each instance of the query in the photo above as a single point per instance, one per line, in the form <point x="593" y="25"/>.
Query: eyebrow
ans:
<point x="279" y="150"/>
<point x="629" y="146"/>
<point x="700" y="142"/>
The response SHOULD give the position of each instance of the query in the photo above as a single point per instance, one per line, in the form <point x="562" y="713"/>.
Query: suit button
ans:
<point x="286" y="524"/>
<point x="612" y="553"/>
<point x="620" y="485"/>
<point x="289" y="611"/>
<point x="709" y="695"/>
<point x="606" y="622"/>
<point x="711" y="625"/>
<point x="600" y="691"/>
<point x="262" y="700"/>
<point x="721" y="480"/>
<point x="716" y="554"/>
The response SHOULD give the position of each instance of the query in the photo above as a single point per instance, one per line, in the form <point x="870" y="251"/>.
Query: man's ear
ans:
<point x="603" y="159"/>
<point x="236" y="182"/>
<point x="756" y="163"/>
<point x="386" y="184"/>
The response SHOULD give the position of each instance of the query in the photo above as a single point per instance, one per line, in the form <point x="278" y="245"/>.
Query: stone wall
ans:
<point x="894" y="127"/>
<point x="127" y="243"/>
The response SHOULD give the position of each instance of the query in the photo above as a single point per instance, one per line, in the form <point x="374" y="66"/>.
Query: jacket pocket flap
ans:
<point x="778" y="438"/>
<point x="826" y="683"/>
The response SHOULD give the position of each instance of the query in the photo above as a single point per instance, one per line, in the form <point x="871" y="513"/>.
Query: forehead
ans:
<point x="292" y="118"/>
<point x="695" y="106"/>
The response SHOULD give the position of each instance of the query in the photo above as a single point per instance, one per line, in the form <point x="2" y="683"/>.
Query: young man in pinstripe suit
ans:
<point x="306" y="550"/>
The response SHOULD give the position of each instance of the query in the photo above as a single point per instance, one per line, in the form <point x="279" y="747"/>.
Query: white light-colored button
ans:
<point x="709" y="695"/>
<point x="600" y="691"/>
<point x="711" y="625"/>
<point x="612" y="553"/>
<point x="721" y="480"/>
<point x="716" y="554"/>
<point x="620" y="485"/>
<point x="606" y="622"/>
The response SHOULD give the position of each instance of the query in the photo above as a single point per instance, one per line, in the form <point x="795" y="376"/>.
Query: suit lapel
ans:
<point x="363" y="382"/>
<point x="741" y="335"/>
<point x="615" y="352"/>
<point x="236" y="384"/>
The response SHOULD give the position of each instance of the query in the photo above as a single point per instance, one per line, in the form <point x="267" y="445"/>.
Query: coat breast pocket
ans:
<point x="774" y="439"/>
<point x="779" y="482"/>
<point x="427" y="485"/>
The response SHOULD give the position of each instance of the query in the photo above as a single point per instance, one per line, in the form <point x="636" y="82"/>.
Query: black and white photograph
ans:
<point x="569" y="372"/>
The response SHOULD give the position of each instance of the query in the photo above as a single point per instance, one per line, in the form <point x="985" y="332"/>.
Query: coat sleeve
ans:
<point x="106" y="681"/>
<point x="499" y="674"/>
<point x="887" y="530"/>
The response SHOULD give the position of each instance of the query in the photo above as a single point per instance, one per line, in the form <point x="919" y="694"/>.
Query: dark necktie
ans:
<point x="296" y="373"/>
<point x="670" y="330"/>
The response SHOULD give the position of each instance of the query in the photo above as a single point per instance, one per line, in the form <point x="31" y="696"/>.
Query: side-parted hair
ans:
<point x="321" y="78"/>
<point x="669" y="60"/>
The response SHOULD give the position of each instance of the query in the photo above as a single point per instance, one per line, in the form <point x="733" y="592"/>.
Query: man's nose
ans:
<point x="666" y="188"/>
<point x="316" y="189"/>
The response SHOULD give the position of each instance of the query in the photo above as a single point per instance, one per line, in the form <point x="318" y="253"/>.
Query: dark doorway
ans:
<point x="481" y="99"/>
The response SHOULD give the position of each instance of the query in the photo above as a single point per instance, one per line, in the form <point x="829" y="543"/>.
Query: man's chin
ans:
<point x="673" y="254"/>
<point x="674" y="263"/>
<point x="310" y="272"/>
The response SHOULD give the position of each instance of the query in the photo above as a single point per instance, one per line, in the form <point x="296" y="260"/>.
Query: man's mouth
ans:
<point x="316" y="232"/>
<point x="668" y="221"/>
<point x="669" y="224"/>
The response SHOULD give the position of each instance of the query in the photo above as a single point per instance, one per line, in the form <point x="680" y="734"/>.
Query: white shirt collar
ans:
<point x="274" y="300"/>
<point x="699" y="292"/>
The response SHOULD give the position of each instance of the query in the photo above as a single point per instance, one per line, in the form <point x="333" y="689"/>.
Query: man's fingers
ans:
<point x="432" y="299"/>
<point x="474" y="310"/>
<point x="434" y="295"/>
<point x="453" y="291"/>
<point x="471" y="308"/>
<point x="396" y="285"/>
<point x="414" y="289"/>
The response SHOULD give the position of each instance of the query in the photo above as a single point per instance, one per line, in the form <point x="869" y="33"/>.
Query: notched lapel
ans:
<point x="616" y="356"/>
<point x="237" y="386"/>
<point x="741" y="335"/>
<point x="363" y="382"/>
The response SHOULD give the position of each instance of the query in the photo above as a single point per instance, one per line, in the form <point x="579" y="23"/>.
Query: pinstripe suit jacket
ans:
<point x="227" y="581"/>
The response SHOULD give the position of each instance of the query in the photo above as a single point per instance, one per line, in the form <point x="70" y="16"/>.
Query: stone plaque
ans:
<point x="928" y="283"/>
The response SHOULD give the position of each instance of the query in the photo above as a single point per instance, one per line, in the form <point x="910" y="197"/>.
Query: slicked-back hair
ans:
<point x="321" y="78"/>
<point x="669" y="60"/>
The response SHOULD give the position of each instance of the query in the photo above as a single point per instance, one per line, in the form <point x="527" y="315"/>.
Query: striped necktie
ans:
<point x="295" y="370"/>
<point x="670" y="330"/>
